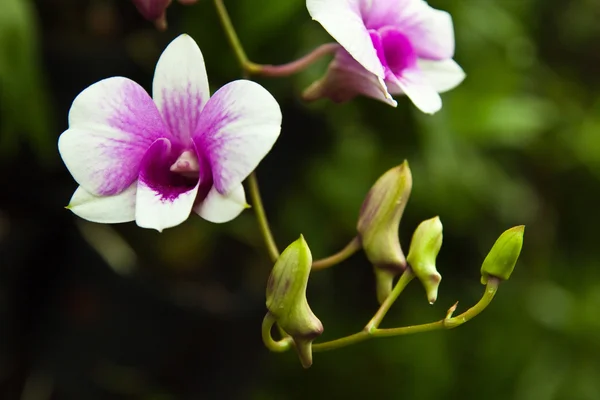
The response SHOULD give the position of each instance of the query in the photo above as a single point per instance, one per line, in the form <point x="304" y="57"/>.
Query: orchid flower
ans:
<point x="155" y="160"/>
<point x="388" y="47"/>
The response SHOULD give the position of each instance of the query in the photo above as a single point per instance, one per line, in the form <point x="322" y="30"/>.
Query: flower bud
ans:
<point x="151" y="9"/>
<point x="502" y="258"/>
<point x="378" y="225"/>
<point x="155" y="10"/>
<point x="424" y="248"/>
<point x="286" y="298"/>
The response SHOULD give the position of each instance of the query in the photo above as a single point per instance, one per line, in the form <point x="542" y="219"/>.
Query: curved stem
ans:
<point x="404" y="280"/>
<point x="338" y="257"/>
<point x="232" y="36"/>
<point x="446" y="323"/>
<point x="294" y="66"/>
<point x="263" y="223"/>
<point x="275" y="346"/>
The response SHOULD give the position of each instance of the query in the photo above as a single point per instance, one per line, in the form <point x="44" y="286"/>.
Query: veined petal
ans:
<point x="104" y="209"/>
<point x="180" y="87"/>
<point x="379" y="13"/>
<point x="345" y="79"/>
<point x="237" y="128"/>
<point x="430" y="31"/>
<point x="342" y="19"/>
<point x="419" y="91"/>
<point x="164" y="198"/>
<point x="111" y="125"/>
<point x="220" y="208"/>
<point x="442" y="75"/>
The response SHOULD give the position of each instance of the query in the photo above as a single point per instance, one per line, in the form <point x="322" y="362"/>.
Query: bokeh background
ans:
<point x="89" y="311"/>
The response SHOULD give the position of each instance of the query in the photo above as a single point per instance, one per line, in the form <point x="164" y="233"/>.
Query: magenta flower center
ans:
<point x="171" y="169"/>
<point x="394" y="49"/>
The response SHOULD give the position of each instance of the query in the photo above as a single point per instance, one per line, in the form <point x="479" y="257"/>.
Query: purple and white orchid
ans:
<point x="155" y="160"/>
<point x="387" y="47"/>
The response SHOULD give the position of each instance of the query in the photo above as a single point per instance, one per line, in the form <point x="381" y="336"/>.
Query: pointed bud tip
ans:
<point x="380" y="216"/>
<point x="502" y="258"/>
<point x="424" y="248"/>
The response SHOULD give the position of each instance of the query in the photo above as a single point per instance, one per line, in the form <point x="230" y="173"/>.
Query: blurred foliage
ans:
<point x="24" y="104"/>
<point x="517" y="143"/>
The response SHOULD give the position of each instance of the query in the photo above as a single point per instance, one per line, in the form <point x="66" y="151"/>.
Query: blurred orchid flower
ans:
<point x="154" y="160"/>
<point x="389" y="47"/>
<point x="155" y="10"/>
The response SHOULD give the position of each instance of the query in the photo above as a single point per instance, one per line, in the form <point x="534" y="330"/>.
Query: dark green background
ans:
<point x="90" y="311"/>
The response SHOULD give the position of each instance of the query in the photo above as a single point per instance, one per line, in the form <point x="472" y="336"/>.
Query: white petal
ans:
<point x="430" y="31"/>
<point x="418" y="90"/>
<point x="180" y="87"/>
<point x="442" y="75"/>
<point x="104" y="209"/>
<point x="342" y="19"/>
<point x="220" y="208"/>
<point x="111" y="125"/>
<point x="154" y="211"/>
<point x="238" y="127"/>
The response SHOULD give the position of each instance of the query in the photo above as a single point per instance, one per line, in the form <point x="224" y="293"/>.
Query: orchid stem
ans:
<point x="276" y="346"/>
<point x="263" y="223"/>
<point x="233" y="38"/>
<point x="338" y="257"/>
<point x="404" y="280"/>
<point x="446" y="323"/>
<point x="295" y="66"/>
<point x="251" y="68"/>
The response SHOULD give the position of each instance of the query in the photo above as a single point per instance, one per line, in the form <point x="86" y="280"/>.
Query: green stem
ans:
<point x="404" y="280"/>
<point x="446" y="323"/>
<point x="338" y="257"/>
<point x="261" y="216"/>
<point x="273" y="345"/>
<point x="232" y="36"/>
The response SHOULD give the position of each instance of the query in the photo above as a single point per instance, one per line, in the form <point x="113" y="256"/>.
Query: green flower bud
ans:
<point x="378" y="225"/>
<point x="286" y="298"/>
<point x="424" y="248"/>
<point x="502" y="258"/>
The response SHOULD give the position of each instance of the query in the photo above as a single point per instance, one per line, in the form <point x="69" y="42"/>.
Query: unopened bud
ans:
<point x="151" y="9"/>
<point x="286" y="298"/>
<point x="424" y="248"/>
<point x="378" y="225"/>
<point x="155" y="10"/>
<point x="502" y="258"/>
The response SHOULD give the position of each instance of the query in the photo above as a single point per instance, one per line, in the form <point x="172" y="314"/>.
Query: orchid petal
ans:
<point x="430" y="31"/>
<point x="111" y="125"/>
<point x="442" y="75"/>
<point x="164" y="198"/>
<point x="180" y="87"/>
<point x="104" y="209"/>
<point x="345" y="79"/>
<point x="218" y="208"/>
<point x="238" y="127"/>
<point x="342" y="19"/>
<point x="419" y="91"/>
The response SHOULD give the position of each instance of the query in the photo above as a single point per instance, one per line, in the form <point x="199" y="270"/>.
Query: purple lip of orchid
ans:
<point x="155" y="160"/>
<point x="389" y="47"/>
